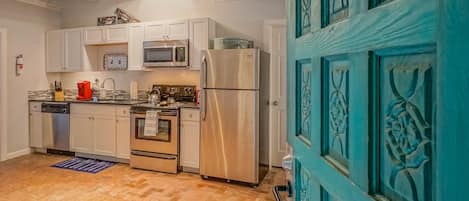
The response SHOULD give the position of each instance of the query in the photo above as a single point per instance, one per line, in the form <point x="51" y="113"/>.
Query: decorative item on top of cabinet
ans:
<point x="201" y="34"/>
<point x="123" y="17"/>
<point x="190" y="138"/>
<point x="107" y="20"/>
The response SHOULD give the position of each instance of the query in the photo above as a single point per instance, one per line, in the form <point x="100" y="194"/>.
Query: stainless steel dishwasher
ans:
<point x="56" y="125"/>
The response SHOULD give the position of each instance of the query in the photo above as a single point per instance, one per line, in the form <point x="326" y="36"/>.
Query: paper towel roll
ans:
<point x="133" y="90"/>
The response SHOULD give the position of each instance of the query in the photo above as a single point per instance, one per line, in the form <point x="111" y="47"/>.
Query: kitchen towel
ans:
<point x="151" y="123"/>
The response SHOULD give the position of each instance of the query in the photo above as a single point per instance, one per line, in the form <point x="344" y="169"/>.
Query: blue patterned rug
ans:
<point x="84" y="165"/>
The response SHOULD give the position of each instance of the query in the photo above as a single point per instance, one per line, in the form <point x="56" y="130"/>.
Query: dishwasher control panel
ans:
<point x="62" y="108"/>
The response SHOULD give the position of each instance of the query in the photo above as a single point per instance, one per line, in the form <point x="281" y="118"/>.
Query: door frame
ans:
<point x="3" y="94"/>
<point x="268" y="26"/>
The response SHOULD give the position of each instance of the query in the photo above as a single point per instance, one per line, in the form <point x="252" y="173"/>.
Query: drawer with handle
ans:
<point x="35" y="106"/>
<point x="190" y="114"/>
<point x="123" y="111"/>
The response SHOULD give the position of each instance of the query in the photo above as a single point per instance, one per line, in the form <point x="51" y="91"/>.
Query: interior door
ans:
<point x="362" y="86"/>
<point x="278" y="101"/>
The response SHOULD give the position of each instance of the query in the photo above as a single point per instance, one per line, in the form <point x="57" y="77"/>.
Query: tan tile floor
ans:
<point x="31" y="178"/>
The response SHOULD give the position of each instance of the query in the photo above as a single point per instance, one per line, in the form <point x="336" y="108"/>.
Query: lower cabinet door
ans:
<point x="123" y="138"/>
<point x="104" y="131"/>
<point x="81" y="134"/>
<point x="190" y="138"/>
<point x="35" y="130"/>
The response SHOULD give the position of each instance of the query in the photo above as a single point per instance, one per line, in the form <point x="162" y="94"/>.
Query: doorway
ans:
<point x="3" y="95"/>
<point x="275" y="34"/>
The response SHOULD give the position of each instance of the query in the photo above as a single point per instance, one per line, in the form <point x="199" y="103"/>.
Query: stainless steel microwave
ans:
<point x="174" y="53"/>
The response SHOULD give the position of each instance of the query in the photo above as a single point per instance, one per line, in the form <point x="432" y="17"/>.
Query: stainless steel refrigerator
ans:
<point x="233" y="120"/>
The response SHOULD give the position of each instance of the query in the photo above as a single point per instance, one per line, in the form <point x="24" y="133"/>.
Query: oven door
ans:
<point x="166" y="54"/>
<point x="166" y="140"/>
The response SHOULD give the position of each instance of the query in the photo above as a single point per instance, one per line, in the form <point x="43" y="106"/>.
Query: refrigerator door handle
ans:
<point x="204" y="104"/>
<point x="204" y="71"/>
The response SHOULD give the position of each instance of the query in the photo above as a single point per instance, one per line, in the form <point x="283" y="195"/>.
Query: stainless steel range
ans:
<point x="160" y="151"/>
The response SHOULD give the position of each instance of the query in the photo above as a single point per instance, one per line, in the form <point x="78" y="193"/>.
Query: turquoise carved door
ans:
<point x="368" y="112"/>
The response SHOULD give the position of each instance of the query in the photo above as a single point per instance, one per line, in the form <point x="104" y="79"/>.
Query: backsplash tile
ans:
<point x="72" y="94"/>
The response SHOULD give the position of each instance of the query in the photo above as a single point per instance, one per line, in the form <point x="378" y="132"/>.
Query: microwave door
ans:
<point x="156" y="55"/>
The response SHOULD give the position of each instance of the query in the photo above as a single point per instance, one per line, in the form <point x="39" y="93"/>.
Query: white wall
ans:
<point x="236" y="18"/>
<point x="144" y="79"/>
<point x="26" y="26"/>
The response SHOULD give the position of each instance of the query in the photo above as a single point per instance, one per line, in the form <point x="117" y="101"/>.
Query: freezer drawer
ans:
<point x="230" y="69"/>
<point x="229" y="135"/>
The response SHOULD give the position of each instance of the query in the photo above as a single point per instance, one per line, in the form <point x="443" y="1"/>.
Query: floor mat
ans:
<point x="84" y="165"/>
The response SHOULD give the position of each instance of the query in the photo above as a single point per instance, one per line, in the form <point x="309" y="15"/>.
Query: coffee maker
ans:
<point x="84" y="90"/>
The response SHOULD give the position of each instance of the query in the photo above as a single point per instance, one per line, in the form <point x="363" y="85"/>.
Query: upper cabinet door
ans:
<point x="94" y="36"/>
<point x="178" y="30"/>
<point x="201" y="31"/>
<point x="55" y="51"/>
<point x="117" y="34"/>
<point x="135" y="47"/>
<point x="155" y="31"/>
<point x="167" y="30"/>
<point x="73" y="50"/>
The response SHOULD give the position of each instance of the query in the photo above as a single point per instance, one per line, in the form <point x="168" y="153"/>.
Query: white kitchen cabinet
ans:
<point x="94" y="36"/>
<point x="104" y="131"/>
<point x="190" y="138"/>
<point x="55" y="51"/>
<point x="100" y="130"/>
<point x="35" y="125"/>
<point x="167" y="30"/>
<point x="73" y="50"/>
<point x="64" y="50"/>
<point x="178" y="30"/>
<point x="123" y="137"/>
<point x="81" y="133"/>
<point x="201" y="33"/>
<point x="116" y="34"/>
<point x="106" y="35"/>
<point x="155" y="31"/>
<point x="135" y="47"/>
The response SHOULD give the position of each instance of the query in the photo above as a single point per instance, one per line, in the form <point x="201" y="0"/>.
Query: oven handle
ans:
<point x="161" y="114"/>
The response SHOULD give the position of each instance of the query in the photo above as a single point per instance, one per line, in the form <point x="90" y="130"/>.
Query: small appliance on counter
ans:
<point x="84" y="90"/>
<point x="58" y="91"/>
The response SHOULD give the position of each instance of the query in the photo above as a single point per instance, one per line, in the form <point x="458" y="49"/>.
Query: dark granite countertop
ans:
<point x="112" y="102"/>
<point x="109" y="102"/>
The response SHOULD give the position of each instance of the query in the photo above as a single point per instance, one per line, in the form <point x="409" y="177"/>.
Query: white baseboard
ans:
<point x="18" y="153"/>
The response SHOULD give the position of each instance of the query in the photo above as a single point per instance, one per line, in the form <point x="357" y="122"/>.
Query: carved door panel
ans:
<point x="362" y="99"/>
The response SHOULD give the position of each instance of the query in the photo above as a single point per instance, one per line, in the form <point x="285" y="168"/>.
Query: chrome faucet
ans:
<point x="113" y="87"/>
